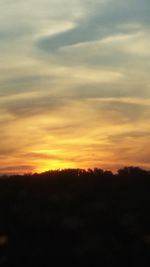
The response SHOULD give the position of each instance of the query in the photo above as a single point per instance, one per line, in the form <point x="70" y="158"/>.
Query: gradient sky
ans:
<point x="74" y="84"/>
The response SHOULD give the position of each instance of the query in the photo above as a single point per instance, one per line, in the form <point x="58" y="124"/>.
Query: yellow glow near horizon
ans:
<point x="55" y="165"/>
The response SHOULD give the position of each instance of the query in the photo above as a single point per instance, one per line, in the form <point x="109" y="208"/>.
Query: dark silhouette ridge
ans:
<point x="75" y="217"/>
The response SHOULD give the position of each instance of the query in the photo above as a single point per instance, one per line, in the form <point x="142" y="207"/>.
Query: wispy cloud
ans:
<point x="74" y="83"/>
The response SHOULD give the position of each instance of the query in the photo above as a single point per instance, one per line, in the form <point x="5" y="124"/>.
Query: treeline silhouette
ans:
<point x="75" y="217"/>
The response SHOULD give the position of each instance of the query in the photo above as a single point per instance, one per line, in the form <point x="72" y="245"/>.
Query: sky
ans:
<point x="74" y="84"/>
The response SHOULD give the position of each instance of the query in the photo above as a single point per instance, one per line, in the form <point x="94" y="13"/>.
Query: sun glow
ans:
<point x="55" y="165"/>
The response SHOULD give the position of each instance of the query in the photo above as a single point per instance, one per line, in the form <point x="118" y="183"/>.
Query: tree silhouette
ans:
<point x="75" y="217"/>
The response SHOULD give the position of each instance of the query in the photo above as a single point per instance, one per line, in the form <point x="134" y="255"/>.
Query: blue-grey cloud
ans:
<point x="98" y="24"/>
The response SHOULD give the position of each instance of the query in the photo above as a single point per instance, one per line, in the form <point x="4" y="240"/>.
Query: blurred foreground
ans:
<point x="76" y="218"/>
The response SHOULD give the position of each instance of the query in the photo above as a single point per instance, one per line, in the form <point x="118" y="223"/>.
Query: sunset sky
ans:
<point x="74" y="84"/>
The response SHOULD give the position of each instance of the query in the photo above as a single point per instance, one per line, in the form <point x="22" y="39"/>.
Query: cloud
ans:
<point x="100" y="23"/>
<point x="115" y="112"/>
<point x="129" y="134"/>
<point x="33" y="106"/>
<point x="134" y="44"/>
<point x="18" y="169"/>
<point x="74" y="85"/>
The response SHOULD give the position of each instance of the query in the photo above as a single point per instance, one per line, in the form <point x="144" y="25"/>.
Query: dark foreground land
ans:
<point x="75" y="218"/>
